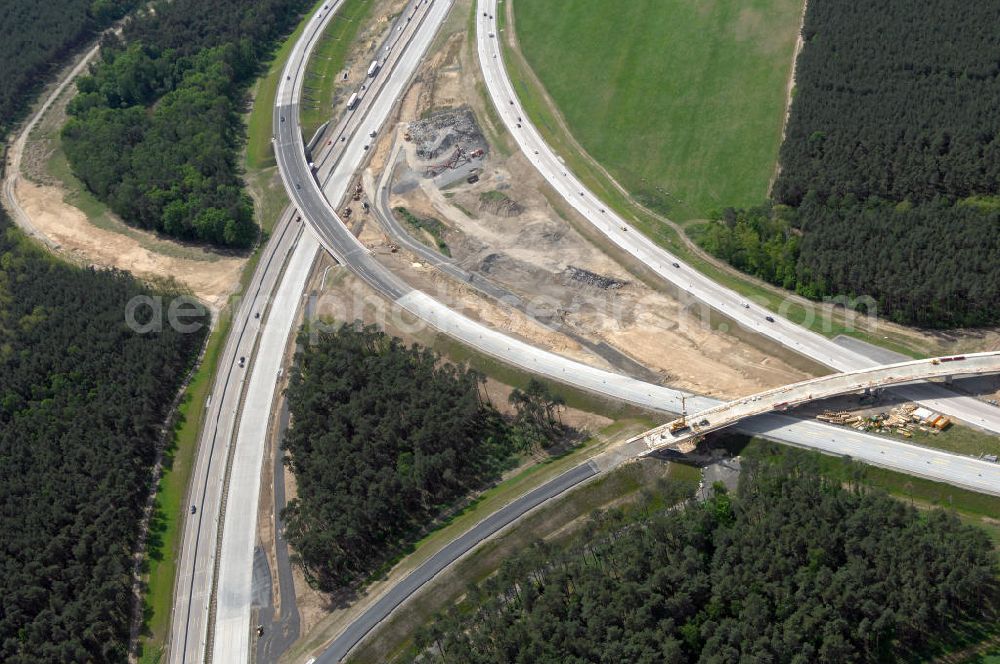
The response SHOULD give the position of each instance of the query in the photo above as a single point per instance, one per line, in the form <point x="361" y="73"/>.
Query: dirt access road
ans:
<point x="49" y="204"/>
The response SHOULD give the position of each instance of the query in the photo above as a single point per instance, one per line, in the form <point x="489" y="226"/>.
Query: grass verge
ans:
<point x="557" y="520"/>
<point x="260" y="120"/>
<point x="429" y="230"/>
<point x="163" y="544"/>
<point x="819" y="319"/>
<point x="516" y="377"/>
<point x="961" y="440"/>
<point x="327" y="60"/>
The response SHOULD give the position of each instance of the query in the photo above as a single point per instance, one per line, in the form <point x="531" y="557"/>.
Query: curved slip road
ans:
<point x="451" y="552"/>
<point x="344" y="246"/>
<point x="226" y="632"/>
<point x="662" y="263"/>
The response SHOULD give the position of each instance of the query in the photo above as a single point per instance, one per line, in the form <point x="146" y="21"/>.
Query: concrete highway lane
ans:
<point x="824" y="387"/>
<point x="230" y="636"/>
<point x="240" y="406"/>
<point x="197" y="564"/>
<point x="323" y="220"/>
<point x="666" y="265"/>
<point x="195" y="569"/>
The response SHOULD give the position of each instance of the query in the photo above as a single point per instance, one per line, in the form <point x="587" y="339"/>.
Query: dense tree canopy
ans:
<point x="82" y="401"/>
<point x="792" y="569"/>
<point x="891" y="162"/>
<point x="37" y="35"/>
<point x="154" y="131"/>
<point x="383" y="439"/>
<point x="895" y="99"/>
<point x="890" y="258"/>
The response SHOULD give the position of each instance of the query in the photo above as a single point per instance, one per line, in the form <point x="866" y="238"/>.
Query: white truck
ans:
<point x="352" y="102"/>
<point x="373" y="69"/>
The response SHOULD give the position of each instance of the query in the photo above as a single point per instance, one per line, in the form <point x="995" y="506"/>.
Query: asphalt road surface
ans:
<point x="672" y="268"/>
<point x="345" y="247"/>
<point x="454" y="550"/>
<point x="280" y="632"/>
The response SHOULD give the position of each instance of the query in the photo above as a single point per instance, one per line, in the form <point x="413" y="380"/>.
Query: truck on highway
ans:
<point x="352" y="103"/>
<point x="373" y="68"/>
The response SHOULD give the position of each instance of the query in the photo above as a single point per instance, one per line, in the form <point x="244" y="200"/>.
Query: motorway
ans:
<point x="671" y="268"/>
<point x="212" y="607"/>
<point x="231" y="634"/>
<point x="231" y="445"/>
<point x="814" y="389"/>
<point x="336" y="238"/>
<point x="196" y="564"/>
<point x="213" y="557"/>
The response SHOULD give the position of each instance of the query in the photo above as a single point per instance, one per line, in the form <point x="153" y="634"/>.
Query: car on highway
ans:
<point x="769" y="319"/>
<point x="193" y="509"/>
<point x="676" y="264"/>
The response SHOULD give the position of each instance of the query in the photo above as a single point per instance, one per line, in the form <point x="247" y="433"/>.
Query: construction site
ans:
<point x="902" y="420"/>
<point x="447" y="175"/>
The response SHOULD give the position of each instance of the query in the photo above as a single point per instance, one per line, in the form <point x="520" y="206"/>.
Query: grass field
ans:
<point x="537" y="105"/>
<point x="682" y="101"/>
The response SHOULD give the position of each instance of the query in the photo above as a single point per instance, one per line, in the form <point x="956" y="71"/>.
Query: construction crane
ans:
<point x="680" y="424"/>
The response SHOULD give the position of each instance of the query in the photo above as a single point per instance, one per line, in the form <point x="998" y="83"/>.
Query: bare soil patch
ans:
<point x="46" y="192"/>
<point x="211" y="279"/>
<point x="506" y="226"/>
